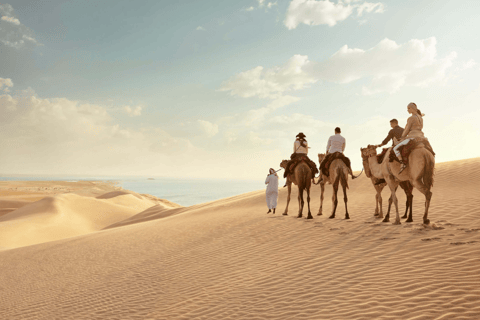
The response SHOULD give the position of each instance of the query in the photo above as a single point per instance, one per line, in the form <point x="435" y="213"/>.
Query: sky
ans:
<point x="220" y="89"/>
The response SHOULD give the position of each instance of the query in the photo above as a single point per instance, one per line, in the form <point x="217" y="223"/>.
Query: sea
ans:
<point x="185" y="192"/>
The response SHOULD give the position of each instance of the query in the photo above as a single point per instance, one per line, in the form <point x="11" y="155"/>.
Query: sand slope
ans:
<point x="64" y="216"/>
<point x="229" y="260"/>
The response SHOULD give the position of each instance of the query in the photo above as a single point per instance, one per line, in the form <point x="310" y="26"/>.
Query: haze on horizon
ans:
<point x="219" y="89"/>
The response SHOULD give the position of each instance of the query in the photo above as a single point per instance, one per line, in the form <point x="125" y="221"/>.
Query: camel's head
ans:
<point x="369" y="151"/>
<point x="283" y="164"/>
<point x="364" y="154"/>
<point x="321" y="156"/>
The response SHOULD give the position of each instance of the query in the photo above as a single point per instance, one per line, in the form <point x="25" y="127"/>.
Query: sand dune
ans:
<point x="65" y="215"/>
<point x="227" y="259"/>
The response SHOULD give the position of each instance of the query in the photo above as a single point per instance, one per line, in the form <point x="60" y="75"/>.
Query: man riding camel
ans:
<point x="395" y="133"/>
<point x="336" y="144"/>
<point x="300" y="149"/>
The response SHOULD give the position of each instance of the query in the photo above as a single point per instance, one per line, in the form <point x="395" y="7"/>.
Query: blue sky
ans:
<point x="221" y="88"/>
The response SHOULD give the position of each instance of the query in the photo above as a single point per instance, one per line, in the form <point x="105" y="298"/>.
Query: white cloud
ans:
<point x="250" y="9"/>
<point x="369" y="7"/>
<point x="270" y="83"/>
<point x="200" y="28"/>
<point x="11" y="20"/>
<point x="467" y="65"/>
<point x="67" y="137"/>
<point x="389" y="65"/>
<point x="271" y="4"/>
<point x="133" y="112"/>
<point x="6" y="84"/>
<point x="257" y="116"/>
<point x="210" y="129"/>
<point x="12" y="32"/>
<point x="313" y="13"/>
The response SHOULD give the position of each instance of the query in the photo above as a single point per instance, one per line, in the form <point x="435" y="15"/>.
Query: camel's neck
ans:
<point x="375" y="168"/>
<point x="366" y="166"/>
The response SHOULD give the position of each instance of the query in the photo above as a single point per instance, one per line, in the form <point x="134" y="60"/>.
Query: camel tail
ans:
<point x="343" y="177"/>
<point x="304" y="178"/>
<point x="429" y="170"/>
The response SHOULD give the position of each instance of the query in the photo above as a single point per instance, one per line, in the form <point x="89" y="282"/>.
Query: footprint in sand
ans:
<point x="460" y="243"/>
<point x="431" y="239"/>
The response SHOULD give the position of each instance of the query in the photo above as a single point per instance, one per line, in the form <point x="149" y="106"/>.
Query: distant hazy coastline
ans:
<point x="185" y="192"/>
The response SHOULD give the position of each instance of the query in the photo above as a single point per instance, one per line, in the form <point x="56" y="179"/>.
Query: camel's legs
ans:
<point x="387" y="216"/>
<point x="289" y="186"/>
<point x="393" y="189"/>
<point x="378" y="210"/>
<point x="308" y="203"/>
<point x="322" y="189"/>
<point x="410" y="207"/>
<point x="334" y="199"/>
<point x="345" y="199"/>
<point x="428" y="196"/>
<point x="300" y="202"/>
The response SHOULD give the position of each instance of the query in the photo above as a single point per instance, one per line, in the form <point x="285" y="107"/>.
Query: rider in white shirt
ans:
<point x="337" y="143"/>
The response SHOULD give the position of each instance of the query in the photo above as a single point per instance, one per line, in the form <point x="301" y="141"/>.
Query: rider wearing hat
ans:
<point x="300" y="148"/>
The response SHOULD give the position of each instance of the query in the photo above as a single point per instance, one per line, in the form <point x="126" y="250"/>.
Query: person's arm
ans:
<point x="344" y="144"/>
<point x="306" y="146"/>
<point x="267" y="180"/>
<point x="387" y="139"/>
<point x="329" y="143"/>
<point x="407" y="127"/>
<point x="295" y="146"/>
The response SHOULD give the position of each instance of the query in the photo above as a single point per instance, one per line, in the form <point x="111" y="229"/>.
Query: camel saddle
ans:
<point x="409" y="147"/>
<point x="325" y="165"/>
<point x="295" y="160"/>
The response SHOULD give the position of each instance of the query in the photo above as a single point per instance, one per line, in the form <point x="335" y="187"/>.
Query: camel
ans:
<point x="338" y="173"/>
<point x="302" y="177"/>
<point x="420" y="172"/>
<point x="405" y="185"/>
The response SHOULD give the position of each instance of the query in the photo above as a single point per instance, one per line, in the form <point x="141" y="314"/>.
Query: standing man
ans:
<point x="394" y="134"/>
<point x="272" y="190"/>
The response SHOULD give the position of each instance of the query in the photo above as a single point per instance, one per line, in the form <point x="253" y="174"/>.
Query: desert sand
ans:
<point x="94" y="251"/>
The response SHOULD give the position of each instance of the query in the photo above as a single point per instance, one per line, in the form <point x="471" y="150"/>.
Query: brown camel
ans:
<point x="302" y="177"/>
<point x="420" y="171"/>
<point x="338" y="173"/>
<point x="405" y="185"/>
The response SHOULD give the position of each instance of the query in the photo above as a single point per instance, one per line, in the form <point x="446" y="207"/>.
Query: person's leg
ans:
<point x="399" y="156"/>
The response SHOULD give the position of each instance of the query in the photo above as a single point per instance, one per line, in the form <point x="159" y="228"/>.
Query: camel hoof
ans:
<point x="397" y="222"/>
<point x="347" y="217"/>
<point x="386" y="220"/>
<point x="299" y="216"/>
<point x="310" y="217"/>
<point x="331" y="217"/>
<point x="319" y="214"/>
<point x="380" y="216"/>
<point x="405" y="217"/>
<point x="285" y="214"/>
<point x="426" y="221"/>
<point x="409" y="220"/>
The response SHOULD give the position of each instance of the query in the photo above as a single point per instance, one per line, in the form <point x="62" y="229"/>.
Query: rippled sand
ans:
<point x="228" y="259"/>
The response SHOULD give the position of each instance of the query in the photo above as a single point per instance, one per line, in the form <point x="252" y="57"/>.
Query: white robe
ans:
<point x="272" y="190"/>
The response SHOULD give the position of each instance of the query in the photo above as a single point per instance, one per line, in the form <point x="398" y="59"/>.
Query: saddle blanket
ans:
<point x="409" y="147"/>
<point x="325" y="165"/>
